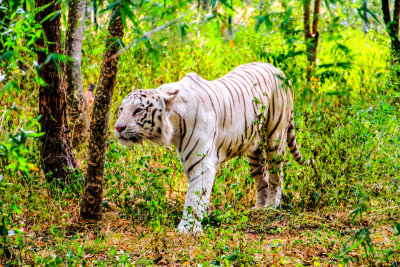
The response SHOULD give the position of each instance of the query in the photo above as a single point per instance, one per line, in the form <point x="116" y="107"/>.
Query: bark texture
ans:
<point x="365" y="14"/>
<point x="98" y="141"/>
<point x="204" y="5"/>
<point x="56" y="153"/>
<point x="392" y="26"/>
<point x="311" y="34"/>
<point x="77" y="103"/>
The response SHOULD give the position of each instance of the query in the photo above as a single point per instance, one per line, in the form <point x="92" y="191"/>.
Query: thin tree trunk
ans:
<point x="311" y="34"/>
<point x="392" y="27"/>
<point x="396" y="14"/>
<point x="78" y="107"/>
<point x="204" y="5"/>
<point x="56" y="152"/>
<point x="365" y="14"/>
<point x="94" y="180"/>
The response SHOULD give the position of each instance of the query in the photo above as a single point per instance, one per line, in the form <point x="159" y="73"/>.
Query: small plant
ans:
<point x="15" y="163"/>
<point x="362" y="236"/>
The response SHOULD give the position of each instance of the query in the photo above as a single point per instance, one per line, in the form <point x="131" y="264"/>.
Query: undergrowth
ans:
<point x="343" y="209"/>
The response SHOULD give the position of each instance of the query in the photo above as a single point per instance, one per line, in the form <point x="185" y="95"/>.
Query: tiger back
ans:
<point x="248" y="111"/>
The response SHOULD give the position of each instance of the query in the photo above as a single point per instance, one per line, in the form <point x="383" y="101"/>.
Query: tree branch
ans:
<point x="92" y="197"/>
<point x="77" y="102"/>
<point x="386" y="11"/>
<point x="392" y="27"/>
<point x="317" y="5"/>
<point x="147" y="34"/>
<point x="396" y="12"/>
<point x="306" y="19"/>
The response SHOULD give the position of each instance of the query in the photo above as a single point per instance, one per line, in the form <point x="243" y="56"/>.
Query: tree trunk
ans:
<point x="311" y="34"/>
<point x="94" y="180"/>
<point x="392" y="27"/>
<point x="365" y="21"/>
<point x="77" y="103"/>
<point x="56" y="152"/>
<point x="204" y="5"/>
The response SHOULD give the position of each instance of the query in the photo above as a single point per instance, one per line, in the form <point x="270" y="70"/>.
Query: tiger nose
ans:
<point x="120" y="128"/>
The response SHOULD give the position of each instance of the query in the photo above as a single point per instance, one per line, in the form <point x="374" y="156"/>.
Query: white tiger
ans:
<point x="210" y="122"/>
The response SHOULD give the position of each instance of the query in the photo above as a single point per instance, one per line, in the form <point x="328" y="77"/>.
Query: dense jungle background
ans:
<point x="343" y="60"/>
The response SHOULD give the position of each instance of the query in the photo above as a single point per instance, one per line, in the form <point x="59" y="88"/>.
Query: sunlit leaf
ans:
<point x="51" y="16"/>
<point x="17" y="210"/>
<point x="263" y="20"/>
<point x="397" y="227"/>
<point x="110" y="7"/>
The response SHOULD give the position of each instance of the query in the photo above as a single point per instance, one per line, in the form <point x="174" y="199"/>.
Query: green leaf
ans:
<point x="96" y="25"/>
<point x="183" y="29"/>
<point x="123" y="17"/>
<point x="328" y="6"/>
<point x="343" y="48"/>
<point x="343" y="65"/>
<point x="34" y="134"/>
<point x="3" y="228"/>
<point x="263" y="19"/>
<point x="366" y="10"/>
<point x="120" y="42"/>
<point x="55" y="15"/>
<point x="232" y="257"/>
<point x="373" y="15"/>
<point x="337" y="93"/>
<point x="51" y="16"/>
<point x="127" y="11"/>
<point x="112" y="6"/>
<point x="397" y="227"/>
<point x="225" y="3"/>
<point x="7" y="55"/>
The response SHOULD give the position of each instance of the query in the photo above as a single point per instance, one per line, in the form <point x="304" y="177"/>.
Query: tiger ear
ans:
<point x="169" y="98"/>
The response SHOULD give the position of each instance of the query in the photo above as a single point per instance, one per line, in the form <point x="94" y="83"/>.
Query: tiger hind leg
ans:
<point x="260" y="176"/>
<point x="274" y="142"/>
<point x="276" y="151"/>
<point x="275" y="181"/>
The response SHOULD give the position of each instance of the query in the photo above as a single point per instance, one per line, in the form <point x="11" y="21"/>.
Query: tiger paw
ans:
<point x="187" y="227"/>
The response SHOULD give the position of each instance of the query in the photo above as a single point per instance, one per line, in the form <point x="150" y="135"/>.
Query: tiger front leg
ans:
<point x="260" y="175"/>
<point x="201" y="180"/>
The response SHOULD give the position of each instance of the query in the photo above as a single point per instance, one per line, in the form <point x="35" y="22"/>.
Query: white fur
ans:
<point x="209" y="124"/>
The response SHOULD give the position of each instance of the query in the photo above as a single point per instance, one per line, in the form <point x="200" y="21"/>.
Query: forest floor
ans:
<point x="305" y="239"/>
<point x="261" y="237"/>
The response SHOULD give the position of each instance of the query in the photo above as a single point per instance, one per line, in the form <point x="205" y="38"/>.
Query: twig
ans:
<point x="276" y="210"/>
<point x="374" y="214"/>
<point x="147" y="34"/>
<point x="315" y="169"/>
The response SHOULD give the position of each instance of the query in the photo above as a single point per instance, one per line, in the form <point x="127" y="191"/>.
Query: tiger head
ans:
<point x="144" y="114"/>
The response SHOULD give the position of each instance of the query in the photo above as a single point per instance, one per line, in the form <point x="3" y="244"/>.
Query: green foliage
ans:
<point x="140" y="189"/>
<point x="19" y="125"/>
<point x="361" y="237"/>
<point x="344" y="209"/>
<point x="15" y="161"/>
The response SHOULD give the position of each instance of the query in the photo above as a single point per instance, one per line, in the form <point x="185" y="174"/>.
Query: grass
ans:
<point x="343" y="211"/>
